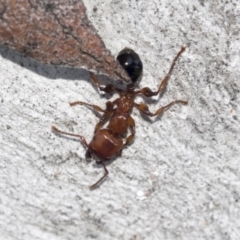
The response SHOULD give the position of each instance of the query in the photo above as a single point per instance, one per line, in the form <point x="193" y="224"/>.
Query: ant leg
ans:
<point x="107" y="113"/>
<point x="131" y="125"/>
<point x="144" y="108"/>
<point x="83" y="140"/>
<point x="109" y="88"/>
<point x="95" y="107"/>
<point x="92" y="187"/>
<point x="148" y="92"/>
<point x="103" y="119"/>
<point x="106" y="116"/>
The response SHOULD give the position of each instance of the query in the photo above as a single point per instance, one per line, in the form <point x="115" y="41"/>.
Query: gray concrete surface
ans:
<point x="180" y="179"/>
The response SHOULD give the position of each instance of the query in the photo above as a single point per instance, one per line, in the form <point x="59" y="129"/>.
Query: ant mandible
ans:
<point x="109" y="141"/>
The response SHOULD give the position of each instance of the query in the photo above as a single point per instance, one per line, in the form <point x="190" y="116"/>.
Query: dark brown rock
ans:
<point x="56" y="32"/>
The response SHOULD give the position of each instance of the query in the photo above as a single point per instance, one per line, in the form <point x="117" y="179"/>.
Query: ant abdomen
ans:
<point x="131" y="62"/>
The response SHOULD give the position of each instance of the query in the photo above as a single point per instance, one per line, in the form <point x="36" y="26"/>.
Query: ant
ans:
<point x="109" y="141"/>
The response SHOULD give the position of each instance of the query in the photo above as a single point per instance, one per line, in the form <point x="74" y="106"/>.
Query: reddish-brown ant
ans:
<point x="109" y="141"/>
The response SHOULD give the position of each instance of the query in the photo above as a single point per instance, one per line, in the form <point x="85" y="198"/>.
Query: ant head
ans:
<point x="132" y="63"/>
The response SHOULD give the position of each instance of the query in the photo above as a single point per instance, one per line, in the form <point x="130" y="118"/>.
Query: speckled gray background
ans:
<point x="180" y="179"/>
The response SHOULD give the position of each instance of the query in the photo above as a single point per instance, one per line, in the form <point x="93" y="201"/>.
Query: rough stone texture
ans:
<point x="180" y="179"/>
<point x="56" y="32"/>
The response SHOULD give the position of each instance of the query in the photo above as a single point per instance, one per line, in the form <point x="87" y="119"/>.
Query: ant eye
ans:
<point x="131" y="62"/>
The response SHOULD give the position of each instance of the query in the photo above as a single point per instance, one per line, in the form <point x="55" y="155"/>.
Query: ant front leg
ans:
<point x="109" y="88"/>
<point x="148" y="92"/>
<point x="83" y="140"/>
<point x="142" y="107"/>
<point x="95" y="107"/>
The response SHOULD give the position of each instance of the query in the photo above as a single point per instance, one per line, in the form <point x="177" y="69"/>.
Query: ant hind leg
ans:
<point x="94" y="107"/>
<point x="109" y="88"/>
<point x="148" y="92"/>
